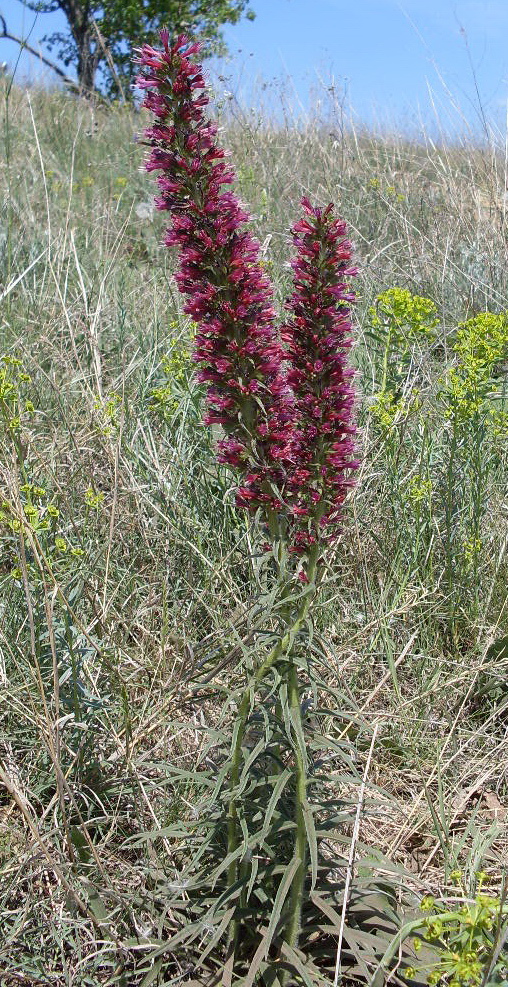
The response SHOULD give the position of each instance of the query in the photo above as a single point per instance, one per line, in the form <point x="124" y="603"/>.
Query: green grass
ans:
<point x="137" y="571"/>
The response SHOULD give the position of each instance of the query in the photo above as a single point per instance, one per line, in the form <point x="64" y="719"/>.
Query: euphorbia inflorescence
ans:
<point x="284" y="399"/>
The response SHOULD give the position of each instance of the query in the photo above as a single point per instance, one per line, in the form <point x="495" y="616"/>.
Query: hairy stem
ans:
<point x="282" y="647"/>
<point x="294" y="919"/>
<point x="292" y="930"/>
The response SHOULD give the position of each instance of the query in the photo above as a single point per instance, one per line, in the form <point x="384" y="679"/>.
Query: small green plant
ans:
<point x="403" y="316"/>
<point x="402" y="328"/>
<point x="472" y="399"/>
<point x="107" y="411"/>
<point x="470" y="388"/>
<point x="93" y="499"/>
<point x="29" y="515"/>
<point x="418" y="490"/>
<point x="35" y="519"/>
<point x="176" y="367"/>
<point x="387" y="411"/>
<point x="400" y="323"/>
<point x="14" y="410"/>
<point x="468" y="939"/>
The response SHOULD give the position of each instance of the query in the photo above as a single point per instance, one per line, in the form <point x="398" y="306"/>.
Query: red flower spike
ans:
<point x="288" y="433"/>
<point x="318" y="337"/>
<point x="228" y="294"/>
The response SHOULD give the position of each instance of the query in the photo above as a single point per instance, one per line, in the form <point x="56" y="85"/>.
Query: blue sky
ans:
<point x="398" y="61"/>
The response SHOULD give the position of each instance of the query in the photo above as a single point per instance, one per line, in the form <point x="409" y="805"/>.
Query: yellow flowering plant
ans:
<point x="28" y="513"/>
<point x="460" y="940"/>
<point x="470" y="387"/>
<point x="107" y="412"/>
<point x="466" y="938"/>
<point x="472" y="398"/>
<point x="399" y="324"/>
<point x="399" y="321"/>
<point x="177" y="370"/>
<point x="401" y="327"/>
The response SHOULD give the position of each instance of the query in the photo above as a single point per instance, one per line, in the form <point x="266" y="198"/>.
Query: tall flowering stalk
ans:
<point x="318" y="336"/>
<point x="238" y="351"/>
<point x="283" y="399"/>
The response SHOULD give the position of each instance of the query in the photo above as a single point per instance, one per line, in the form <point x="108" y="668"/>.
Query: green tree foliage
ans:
<point x="102" y="33"/>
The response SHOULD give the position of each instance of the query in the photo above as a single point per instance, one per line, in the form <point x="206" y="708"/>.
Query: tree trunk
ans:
<point x="88" y="60"/>
<point x="81" y="22"/>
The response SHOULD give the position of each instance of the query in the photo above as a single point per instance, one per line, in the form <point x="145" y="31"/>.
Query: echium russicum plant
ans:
<point x="284" y="399"/>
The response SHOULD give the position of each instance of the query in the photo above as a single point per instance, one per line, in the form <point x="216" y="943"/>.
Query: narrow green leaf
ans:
<point x="280" y="897"/>
<point x="325" y="907"/>
<point x="226" y="918"/>
<point x="97" y="905"/>
<point x="152" y="974"/>
<point x="284" y="705"/>
<point x="227" y="973"/>
<point x="249" y="761"/>
<point x="298" y="965"/>
<point x="498" y="649"/>
<point x="264" y="945"/>
<point x="278" y="788"/>
<point x="253" y="873"/>
<point x="256" y="963"/>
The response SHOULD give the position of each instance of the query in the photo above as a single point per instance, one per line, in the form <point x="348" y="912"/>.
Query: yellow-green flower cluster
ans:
<point x="387" y="410"/>
<point x="36" y="515"/>
<point x="107" y="412"/>
<point x="82" y="183"/>
<point x="483" y="341"/>
<point x="12" y="409"/>
<point x="399" y="321"/>
<point x="463" y="938"/>
<point x="176" y="366"/>
<point x="470" y="388"/>
<point x="472" y="548"/>
<point x="499" y="424"/>
<point x="403" y="318"/>
<point x="419" y="489"/>
<point x="93" y="500"/>
<point x="377" y="185"/>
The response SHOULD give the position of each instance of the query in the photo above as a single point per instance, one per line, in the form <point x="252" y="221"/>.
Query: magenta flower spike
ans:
<point x="237" y="349"/>
<point x="318" y="336"/>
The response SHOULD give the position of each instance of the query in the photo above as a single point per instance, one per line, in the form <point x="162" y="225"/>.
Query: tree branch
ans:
<point x="107" y="55"/>
<point x="71" y="83"/>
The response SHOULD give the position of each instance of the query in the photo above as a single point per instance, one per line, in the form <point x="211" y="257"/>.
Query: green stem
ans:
<point x="384" y="377"/>
<point x="294" y="920"/>
<point x="293" y="924"/>
<point x="479" y="479"/>
<point x="451" y="501"/>
<point x="282" y="647"/>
